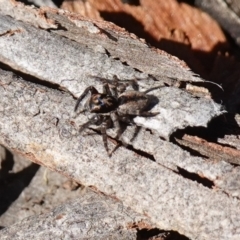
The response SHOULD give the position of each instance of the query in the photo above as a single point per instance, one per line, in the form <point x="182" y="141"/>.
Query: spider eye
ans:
<point x="100" y="101"/>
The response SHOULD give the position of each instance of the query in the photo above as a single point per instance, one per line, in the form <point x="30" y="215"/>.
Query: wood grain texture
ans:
<point x="91" y="213"/>
<point x="37" y="121"/>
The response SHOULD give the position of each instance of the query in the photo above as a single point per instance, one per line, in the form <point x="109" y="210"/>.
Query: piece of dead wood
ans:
<point x="210" y="149"/>
<point x="36" y="122"/>
<point x="62" y="51"/>
<point x="176" y="27"/>
<point x="91" y="216"/>
<point x="182" y="30"/>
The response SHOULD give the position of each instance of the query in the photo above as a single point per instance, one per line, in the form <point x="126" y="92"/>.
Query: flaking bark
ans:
<point x="61" y="52"/>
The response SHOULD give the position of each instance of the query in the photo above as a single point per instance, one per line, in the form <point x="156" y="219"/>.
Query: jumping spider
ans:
<point x="115" y="105"/>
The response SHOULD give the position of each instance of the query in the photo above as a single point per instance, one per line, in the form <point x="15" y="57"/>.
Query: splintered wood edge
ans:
<point x="112" y="46"/>
<point x="48" y="57"/>
<point x="28" y="125"/>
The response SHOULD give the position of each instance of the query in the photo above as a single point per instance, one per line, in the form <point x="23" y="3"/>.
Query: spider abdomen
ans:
<point x="132" y="103"/>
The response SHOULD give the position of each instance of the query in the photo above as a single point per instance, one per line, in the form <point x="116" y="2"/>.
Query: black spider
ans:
<point x="115" y="105"/>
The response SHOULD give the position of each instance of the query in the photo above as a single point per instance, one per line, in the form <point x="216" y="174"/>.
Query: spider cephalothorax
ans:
<point x="115" y="105"/>
<point x="99" y="102"/>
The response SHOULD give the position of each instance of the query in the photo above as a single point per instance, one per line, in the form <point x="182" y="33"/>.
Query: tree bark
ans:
<point x="157" y="176"/>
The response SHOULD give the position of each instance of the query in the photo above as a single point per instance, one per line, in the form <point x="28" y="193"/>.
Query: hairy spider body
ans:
<point x="98" y="102"/>
<point x="134" y="103"/>
<point x="114" y="106"/>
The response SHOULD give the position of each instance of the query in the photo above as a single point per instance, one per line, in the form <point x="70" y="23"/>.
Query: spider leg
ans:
<point x="116" y="124"/>
<point x="123" y="84"/>
<point x="106" y="89"/>
<point x="151" y="89"/>
<point x="148" y="114"/>
<point x="126" y="83"/>
<point x="136" y="132"/>
<point x="110" y="84"/>
<point x="104" y="136"/>
<point x="117" y="85"/>
<point x="134" y="112"/>
<point x="91" y="89"/>
<point x="93" y="120"/>
<point x="107" y="85"/>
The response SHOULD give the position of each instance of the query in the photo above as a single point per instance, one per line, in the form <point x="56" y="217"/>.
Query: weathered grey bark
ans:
<point x="62" y="51"/>
<point x="91" y="216"/>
